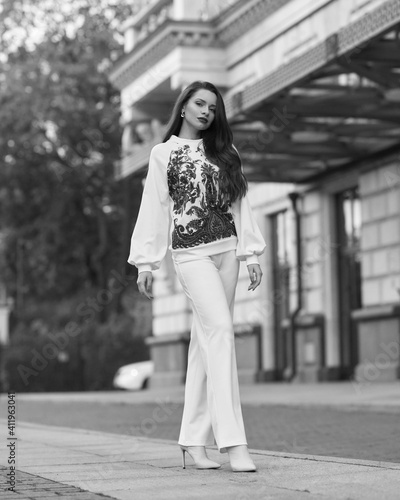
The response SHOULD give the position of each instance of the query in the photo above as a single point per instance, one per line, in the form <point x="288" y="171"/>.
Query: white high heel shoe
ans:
<point x="240" y="459"/>
<point x="199" y="456"/>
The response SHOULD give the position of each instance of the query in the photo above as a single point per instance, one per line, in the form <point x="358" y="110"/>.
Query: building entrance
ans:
<point x="281" y="276"/>
<point x="348" y="219"/>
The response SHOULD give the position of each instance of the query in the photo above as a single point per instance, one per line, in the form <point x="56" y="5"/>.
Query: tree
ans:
<point x="60" y="207"/>
<point x="59" y="141"/>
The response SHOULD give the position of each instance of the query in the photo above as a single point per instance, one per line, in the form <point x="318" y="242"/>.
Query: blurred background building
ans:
<point x="312" y="93"/>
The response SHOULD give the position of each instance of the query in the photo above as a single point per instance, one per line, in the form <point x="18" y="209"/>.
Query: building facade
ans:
<point x="312" y="94"/>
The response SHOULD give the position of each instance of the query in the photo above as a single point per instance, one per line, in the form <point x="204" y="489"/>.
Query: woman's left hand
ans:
<point x="255" y="274"/>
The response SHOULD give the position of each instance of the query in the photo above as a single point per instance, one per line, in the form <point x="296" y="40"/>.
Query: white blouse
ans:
<point x="181" y="210"/>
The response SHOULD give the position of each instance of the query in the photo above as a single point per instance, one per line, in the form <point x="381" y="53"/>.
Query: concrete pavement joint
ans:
<point x="145" y="440"/>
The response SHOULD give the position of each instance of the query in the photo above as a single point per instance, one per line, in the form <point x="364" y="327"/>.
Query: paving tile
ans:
<point x="29" y="487"/>
<point x="154" y="472"/>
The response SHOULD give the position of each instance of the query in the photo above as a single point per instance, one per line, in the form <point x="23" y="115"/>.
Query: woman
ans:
<point x="195" y="198"/>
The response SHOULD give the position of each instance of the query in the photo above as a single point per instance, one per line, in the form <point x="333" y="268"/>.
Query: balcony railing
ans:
<point x="146" y="22"/>
<point x="147" y="45"/>
<point x="163" y="40"/>
<point x="154" y="13"/>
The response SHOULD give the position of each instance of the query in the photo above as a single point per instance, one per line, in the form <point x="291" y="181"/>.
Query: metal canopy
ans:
<point x="342" y="112"/>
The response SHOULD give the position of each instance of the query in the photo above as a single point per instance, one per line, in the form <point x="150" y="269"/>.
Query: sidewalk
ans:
<point x="55" y="462"/>
<point x="58" y="461"/>
<point x="125" y="467"/>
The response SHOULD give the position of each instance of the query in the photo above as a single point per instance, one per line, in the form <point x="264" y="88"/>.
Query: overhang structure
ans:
<point x="329" y="103"/>
<point x="328" y="109"/>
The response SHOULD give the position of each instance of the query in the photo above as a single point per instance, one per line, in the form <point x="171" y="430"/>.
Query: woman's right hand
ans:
<point x="144" y="283"/>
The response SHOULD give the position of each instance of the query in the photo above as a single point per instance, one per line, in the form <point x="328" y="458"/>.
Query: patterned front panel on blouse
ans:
<point x="199" y="214"/>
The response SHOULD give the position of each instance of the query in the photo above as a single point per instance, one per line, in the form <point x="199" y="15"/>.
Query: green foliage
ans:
<point x="38" y="358"/>
<point x="24" y="23"/>
<point x="59" y="140"/>
<point x="45" y="355"/>
<point x="61" y="210"/>
<point x="114" y="346"/>
<point x="32" y="364"/>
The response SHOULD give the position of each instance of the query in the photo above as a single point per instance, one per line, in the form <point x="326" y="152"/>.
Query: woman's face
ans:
<point x="200" y="110"/>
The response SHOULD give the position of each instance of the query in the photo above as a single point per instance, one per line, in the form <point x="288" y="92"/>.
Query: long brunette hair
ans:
<point x="217" y="140"/>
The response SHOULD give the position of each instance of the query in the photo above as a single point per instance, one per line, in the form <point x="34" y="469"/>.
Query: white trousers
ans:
<point x="212" y="400"/>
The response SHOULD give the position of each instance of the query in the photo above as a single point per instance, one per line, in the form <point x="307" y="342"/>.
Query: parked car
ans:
<point x="134" y="376"/>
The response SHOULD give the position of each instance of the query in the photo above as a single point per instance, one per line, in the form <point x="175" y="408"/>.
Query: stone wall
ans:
<point x="380" y="239"/>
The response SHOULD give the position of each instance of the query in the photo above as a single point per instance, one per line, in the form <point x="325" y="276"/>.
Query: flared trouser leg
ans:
<point x="196" y="428"/>
<point x="212" y="400"/>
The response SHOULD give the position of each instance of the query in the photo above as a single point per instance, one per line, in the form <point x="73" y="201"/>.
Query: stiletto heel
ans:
<point x="240" y="459"/>
<point x="199" y="456"/>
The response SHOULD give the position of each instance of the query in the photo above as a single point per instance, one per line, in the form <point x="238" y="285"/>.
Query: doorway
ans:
<point x="281" y="253"/>
<point x="348" y="211"/>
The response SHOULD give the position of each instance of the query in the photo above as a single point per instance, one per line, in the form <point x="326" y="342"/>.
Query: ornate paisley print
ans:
<point x="199" y="214"/>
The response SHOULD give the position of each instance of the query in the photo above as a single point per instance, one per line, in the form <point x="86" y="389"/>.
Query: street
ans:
<point x="320" y="430"/>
